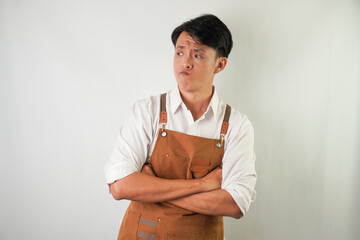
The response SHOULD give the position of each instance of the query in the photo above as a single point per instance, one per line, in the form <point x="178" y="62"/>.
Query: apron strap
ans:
<point x="225" y="123"/>
<point x="163" y="115"/>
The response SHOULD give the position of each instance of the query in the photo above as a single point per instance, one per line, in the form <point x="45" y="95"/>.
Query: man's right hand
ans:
<point x="213" y="180"/>
<point x="147" y="169"/>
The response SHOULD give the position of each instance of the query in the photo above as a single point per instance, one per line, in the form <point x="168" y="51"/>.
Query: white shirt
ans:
<point x="138" y="135"/>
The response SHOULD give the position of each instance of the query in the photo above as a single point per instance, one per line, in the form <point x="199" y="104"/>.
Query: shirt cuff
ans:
<point x="243" y="198"/>
<point x="117" y="172"/>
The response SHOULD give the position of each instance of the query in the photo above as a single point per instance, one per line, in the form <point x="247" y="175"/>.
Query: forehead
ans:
<point x="185" y="40"/>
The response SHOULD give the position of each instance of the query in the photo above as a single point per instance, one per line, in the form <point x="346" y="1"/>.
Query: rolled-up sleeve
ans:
<point x="239" y="176"/>
<point x="131" y="147"/>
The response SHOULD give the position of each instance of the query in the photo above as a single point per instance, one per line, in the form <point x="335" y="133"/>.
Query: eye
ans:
<point x="198" y="56"/>
<point x="179" y="53"/>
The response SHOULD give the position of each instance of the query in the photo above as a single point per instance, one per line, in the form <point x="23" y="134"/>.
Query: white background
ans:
<point x="70" y="71"/>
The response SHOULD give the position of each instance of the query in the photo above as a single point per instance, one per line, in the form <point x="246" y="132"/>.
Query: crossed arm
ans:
<point x="198" y="195"/>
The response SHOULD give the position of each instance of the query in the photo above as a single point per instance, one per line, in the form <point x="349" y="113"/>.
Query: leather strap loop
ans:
<point x="199" y="170"/>
<point x="201" y="163"/>
<point x="163" y="114"/>
<point x="225" y="123"/>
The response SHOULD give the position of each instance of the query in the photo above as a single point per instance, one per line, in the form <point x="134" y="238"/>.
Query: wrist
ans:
<point x="202" y="185"/>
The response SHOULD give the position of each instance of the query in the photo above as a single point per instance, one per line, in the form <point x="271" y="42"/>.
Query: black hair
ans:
<point x="208" y="30"/>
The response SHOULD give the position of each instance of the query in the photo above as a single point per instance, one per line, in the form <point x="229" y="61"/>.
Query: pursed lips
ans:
<point x="184" y="73"/>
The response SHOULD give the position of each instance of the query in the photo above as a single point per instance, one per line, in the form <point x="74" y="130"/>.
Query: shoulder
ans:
<point x="240" y="126"/>
<point x="144" y="117"/>
<point x="238" y="119"/>
<point x="147" y="107"/>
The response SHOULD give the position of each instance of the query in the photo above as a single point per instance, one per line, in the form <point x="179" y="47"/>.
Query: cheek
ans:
<point x="208" y="68"/>
<point x="211" y="67"/>
<point x="175" y="63"/>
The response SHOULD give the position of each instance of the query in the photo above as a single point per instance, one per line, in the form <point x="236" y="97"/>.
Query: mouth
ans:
<point x="184" y="73"/>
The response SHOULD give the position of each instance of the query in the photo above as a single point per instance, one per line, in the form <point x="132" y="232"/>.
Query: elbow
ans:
<point x="116" y="196"/>
<point x="123" y="188"/>
<point x="116" y="191"/>
<point x="237" y="214"/>
<point x="232" y="210"/>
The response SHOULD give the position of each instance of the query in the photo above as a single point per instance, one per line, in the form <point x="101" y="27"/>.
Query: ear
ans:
<point x="220" y="64"/>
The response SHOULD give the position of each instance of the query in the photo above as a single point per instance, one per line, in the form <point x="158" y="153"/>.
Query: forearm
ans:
<point x="144" y="188"/>
<point x="217" y="202"/>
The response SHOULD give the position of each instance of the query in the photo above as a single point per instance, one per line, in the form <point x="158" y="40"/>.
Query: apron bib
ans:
<point x="177" y="156"/>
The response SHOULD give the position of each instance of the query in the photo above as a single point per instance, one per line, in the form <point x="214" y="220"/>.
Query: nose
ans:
<point x="188" y="63"/>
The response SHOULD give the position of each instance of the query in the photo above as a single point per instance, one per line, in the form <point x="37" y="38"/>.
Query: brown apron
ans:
<point x="177" y="156"/>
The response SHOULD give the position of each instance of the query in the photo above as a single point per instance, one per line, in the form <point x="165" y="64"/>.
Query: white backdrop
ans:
<point x="70" y="71"/>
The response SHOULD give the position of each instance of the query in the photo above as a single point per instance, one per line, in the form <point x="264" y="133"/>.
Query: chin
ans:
<point x="183" y="84"/>
<point x="187" y="90"/>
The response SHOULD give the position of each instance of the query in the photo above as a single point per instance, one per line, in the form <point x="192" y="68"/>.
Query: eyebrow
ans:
<point x="199" y="50"/>
<point x="195" y="49"/>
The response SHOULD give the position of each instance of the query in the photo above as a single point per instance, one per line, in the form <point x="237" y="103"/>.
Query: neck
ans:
<point x="197" y="102"/>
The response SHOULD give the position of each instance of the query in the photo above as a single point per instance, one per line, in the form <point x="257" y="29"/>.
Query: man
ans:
<point x="185" y="158"/>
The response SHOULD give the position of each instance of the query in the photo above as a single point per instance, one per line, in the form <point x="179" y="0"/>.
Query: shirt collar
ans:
<point x="176" y="102"/>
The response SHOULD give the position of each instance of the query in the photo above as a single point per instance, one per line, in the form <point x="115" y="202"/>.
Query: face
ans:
<point x="195" y="65"/>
